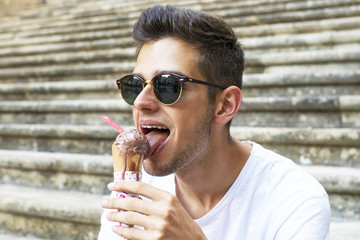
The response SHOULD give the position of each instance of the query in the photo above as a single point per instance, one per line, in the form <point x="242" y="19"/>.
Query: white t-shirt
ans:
<point x="272" y="198"/>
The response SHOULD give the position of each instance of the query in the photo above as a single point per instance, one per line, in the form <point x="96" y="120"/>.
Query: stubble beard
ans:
<point x="190" y="151"/>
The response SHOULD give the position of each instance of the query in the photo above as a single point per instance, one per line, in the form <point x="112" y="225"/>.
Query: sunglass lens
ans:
<point x="131" y="86"/>
<point x="167" y="88"/>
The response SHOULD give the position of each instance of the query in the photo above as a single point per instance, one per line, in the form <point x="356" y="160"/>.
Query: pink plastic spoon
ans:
<point x="112" y="123"/>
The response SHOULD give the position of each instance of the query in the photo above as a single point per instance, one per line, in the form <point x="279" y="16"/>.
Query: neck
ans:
<point x="198" y="186"/>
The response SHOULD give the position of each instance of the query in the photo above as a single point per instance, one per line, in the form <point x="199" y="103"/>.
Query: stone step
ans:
<point x="318" y="112"/>
<point x="100" y="33"/>
<point x="81" y="14"/>
<point x="119" y="54"/>
<point x="260" y="61"/>
<point x="209" y="5"/>
<point x="233" y="8"/>
<point x="348" y="230"/>
<point x="61" y="90"/>
<point x="331" y="83"/>
<point x="69" y="72"/>
<point x="112" y="49"/>
<point x="56" y="170"/>
<point x="61" y="171"/>
<point x="334" y="24"/>
<point x="105" y="31"/>
<point x="326" y="83"/>
<point x="341" y="183"/>
<point x="298" y="61"/>
<point x="58" y="47"/>
<point x="108" y="63"/>
<point x="116" y="24"/>
<point x="340" y="180"/>
<point x="13" y="236"/>
<point x="120" y="46"/>
<point x="237" y="20"/>
<point x="304" y="41"/>
<point x="324" y="146"/>
<point x="48" y="213"/>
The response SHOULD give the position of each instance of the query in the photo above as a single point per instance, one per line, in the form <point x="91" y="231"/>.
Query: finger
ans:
<point x="136" y="233"/>
<point x="130" y="218"/>
<point x="140" y="188"/>
<point x="131" y="204"/>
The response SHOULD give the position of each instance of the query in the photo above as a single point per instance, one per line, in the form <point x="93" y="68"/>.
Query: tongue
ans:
<point x="156" y="138"/>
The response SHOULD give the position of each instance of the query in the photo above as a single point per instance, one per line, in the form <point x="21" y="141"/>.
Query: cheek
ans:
<point x="186" y="120"/>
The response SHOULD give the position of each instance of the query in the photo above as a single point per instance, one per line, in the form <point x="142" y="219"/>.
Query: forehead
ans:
<point x="167" y="54"/>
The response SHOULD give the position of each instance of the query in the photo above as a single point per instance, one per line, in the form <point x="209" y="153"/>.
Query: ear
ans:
<point x="227" y="105"/>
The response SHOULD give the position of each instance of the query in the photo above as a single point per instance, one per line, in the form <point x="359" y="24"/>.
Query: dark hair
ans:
<point x="220" y="60"/>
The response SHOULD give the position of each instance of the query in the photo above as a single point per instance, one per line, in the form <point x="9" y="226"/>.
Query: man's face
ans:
<point x="179" y="133"/>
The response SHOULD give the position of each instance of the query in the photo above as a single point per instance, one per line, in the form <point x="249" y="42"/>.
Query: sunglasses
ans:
<point x="167" y="86"/>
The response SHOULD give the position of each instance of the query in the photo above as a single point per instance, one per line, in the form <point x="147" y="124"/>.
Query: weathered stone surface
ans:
<point x="87" y="173"/>
<point x="48" y="213"/>
<point x="298" y="41"/>
<point x="75" y="57"/>
<point x="338" y="180"/>
<point x="294" y="16"/>
<point x="43" y="227"/>
<point x="65" y="70"/>
<point x="14" y="236"/>
<point x="234" y="9"/>
<point x="301" y="136"/>
<point x="292" y="119"/>
<point x="317" y="112"/>
<point x="299" y="27"/>
<point x="55" y="167"/>
<point x="255" y="85"/>
<point x="308" y="67"/>
<point x="348" y="230"/>
<point x="266" y="61"/>
<point x="65" y="90"/>
<point x="338" y="147"/>
<point x="82" y="36"/>
<point x="332" y="78"/>
<point x="345" y="206"/>
<point x="79" y="16"/>
<point x="299" y="91"/>
<point x="345" y="156"/>
<point x="304" y="57"/>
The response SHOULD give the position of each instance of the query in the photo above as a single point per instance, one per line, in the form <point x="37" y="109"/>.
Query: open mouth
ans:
<point x="157" y="136"/>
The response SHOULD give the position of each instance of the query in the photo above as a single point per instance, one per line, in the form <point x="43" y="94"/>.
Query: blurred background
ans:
<point x="11" y="7"/>
<point x="59" y="60"/>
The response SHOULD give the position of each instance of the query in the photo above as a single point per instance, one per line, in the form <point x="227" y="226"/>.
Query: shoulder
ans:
<point x="283" y="173"/>
<point x="278" y="183"/>
<point x="291" y="198"/>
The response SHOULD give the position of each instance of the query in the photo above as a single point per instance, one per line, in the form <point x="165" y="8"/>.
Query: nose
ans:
<point x="146" y="100"/>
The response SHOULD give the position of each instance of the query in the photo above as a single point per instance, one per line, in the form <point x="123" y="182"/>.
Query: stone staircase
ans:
<point x="58" y="64"/>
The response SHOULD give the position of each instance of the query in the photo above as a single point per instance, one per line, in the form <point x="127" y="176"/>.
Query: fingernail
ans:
<point x="111" y="185"/>
<point x="104" y="203"/>
<point x="108" y="215"/>
<point x="115" y="228"/>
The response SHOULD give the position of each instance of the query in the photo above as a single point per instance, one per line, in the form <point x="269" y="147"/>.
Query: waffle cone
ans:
<point x="126" y="162"/>
<point x="117" y="159"/>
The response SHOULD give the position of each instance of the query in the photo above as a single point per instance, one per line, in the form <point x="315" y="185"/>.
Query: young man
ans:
<point x="203" y="184"/>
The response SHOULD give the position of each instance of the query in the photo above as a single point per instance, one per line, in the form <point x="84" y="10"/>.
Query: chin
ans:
<point x="158" y="171"/>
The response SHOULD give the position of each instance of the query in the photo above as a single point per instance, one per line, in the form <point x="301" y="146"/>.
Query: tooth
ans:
<point x="158" y="127"/>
